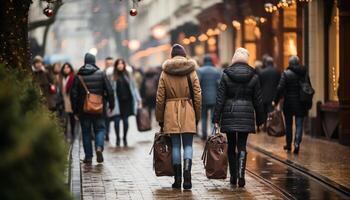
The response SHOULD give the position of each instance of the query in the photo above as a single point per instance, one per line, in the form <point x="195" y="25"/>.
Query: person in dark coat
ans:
<point x="97" y="83"/>
<point x="269" y="79"/>
<point x="238" y="108"/>
<point x="209" y="77"/>
<point x="149" y="87"/>
<point x="289" y="88"/>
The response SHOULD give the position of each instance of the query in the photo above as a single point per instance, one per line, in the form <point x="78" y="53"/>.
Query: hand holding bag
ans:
<point x="215" y="156"/>
<point x="93" y="103"/>
<point x="162" y="154"/>
<point x="275" y="123"/>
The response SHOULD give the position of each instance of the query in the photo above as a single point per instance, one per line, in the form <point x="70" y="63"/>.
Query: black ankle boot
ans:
<point x="242" y="159"/>
<point x="118" y="142"/>
<point x="177" y="176"/>
<point x="287" y="148"/>
<point x="187" y="174"/>
<point x="296" y="149"/>
<point x="233" y="169"/>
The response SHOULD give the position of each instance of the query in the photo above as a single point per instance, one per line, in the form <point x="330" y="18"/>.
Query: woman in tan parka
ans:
<point x="176" y="113"/>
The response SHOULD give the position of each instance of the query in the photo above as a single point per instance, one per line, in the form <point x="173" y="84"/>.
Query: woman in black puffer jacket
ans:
<point x="238" y="107"/>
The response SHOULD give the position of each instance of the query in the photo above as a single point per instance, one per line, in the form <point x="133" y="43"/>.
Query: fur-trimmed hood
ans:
<point x="179" y="66"/>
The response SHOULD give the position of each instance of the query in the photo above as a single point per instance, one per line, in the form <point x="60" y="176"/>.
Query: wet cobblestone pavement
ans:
<point x="127" y="173"/>
<point x="326" y="158"/>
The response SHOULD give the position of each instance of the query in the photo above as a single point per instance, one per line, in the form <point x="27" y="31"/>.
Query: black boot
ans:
<point x="287" y="148"/>
<point x="177" y="177"/>
<point x="233" y="168"/>
<point x="296" y="149"/>
<point x="187" y="174"/>
<point x="242" y="158"/>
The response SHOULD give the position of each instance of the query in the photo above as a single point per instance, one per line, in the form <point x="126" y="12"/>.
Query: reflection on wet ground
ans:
<point x="298" y="185"/>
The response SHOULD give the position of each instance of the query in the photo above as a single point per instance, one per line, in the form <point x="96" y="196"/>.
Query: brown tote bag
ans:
<point x="275" y="124"/>
<point x="215" y="156"/>
<point x="162" y="155"/>
<point x="93" y="103"/>
<point x="143" y="120"/>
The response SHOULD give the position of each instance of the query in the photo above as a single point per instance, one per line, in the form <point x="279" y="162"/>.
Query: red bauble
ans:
<point x="48" y="12"/>
<point x="133" y="12"/>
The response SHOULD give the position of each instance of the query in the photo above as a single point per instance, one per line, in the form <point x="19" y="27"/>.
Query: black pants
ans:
<point x="71" y="120"/>
<point x="236" y="142"/>
<point x="125" y="125"/>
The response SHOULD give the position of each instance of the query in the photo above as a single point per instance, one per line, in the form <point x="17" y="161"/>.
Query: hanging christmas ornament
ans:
<point x="133" y="12"/>
<point x="48" y="11"/>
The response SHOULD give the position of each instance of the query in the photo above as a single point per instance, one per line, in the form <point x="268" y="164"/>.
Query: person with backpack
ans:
<point x="238" y="109"/>
<point x="178" y="110"/>
<point x="295" y="87"/>
<point x="91" y="85"/>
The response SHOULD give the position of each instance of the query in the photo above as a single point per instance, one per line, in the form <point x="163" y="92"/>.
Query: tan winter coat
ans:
<point x="174" y="105"/>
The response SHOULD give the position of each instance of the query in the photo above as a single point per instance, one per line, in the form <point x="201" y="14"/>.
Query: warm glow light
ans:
<point x="203" y="37"/>
<point x="125" y="43"/>
<point x="217" y="31"/>
<point x="222" y="26"/>
<point x="193" y="39"/>
<point x="211" y="41"/>
<point x="186" y="41"/>
<point x="292" y="47"/>
<point x="150" y="51"/>
<point x="236" y="24"/>
<point x="159" y="32"/>
<point x="134" y="45"/>
<point x="210" y="32"/>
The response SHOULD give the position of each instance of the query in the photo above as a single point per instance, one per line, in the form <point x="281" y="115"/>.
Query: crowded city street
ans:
<point x="165" y="99"/>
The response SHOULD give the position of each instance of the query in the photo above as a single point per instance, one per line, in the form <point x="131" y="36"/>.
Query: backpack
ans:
<point x="306" y="92"/>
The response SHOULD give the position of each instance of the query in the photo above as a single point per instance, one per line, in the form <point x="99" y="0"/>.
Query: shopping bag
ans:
<point x="143" y="120"/>
<point x="162" y="155"/>
<point x="275" y="123"/>
<point x="215" y="156"/>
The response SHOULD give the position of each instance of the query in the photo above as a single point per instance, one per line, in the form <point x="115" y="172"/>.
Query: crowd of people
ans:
<point x="235" y="99"/>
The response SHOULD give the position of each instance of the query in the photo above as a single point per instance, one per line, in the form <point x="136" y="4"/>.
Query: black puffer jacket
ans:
<point x="269" y="78"/>
<point x="239" y="102"/>
<point x="96" y="82"/>
<point x="289" y="87"/>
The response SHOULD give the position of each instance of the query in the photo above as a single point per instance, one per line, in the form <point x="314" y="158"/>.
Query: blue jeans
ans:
<point x="99" y="128"/>
<point x="205" y="110"/>
<point x="187" y="139"/>
<point x="299" y="122"/>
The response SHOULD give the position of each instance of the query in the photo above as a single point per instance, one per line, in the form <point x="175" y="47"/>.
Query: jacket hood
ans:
<point x="88" y="69"/>
<point x="240" y="72"/>
<point x="179" y="66"/>
<point x="89" y="59"/>
<point x="298" y="69"/>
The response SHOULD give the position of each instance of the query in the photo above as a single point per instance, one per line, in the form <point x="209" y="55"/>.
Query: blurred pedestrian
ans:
<point x="96" y="83"/>
<point x="127" y="99"/>
<point x="209" y="78"/>
<point x="238" y="107"/>
<point x="149" y="89"/>
<point x="289" y="88"/>
<point x="45" y="81"/>
<point x="109" y="71"/>
<point x="67" y="73"/>
<point x="55" y="73"/>
<point x="269" y="79"/>
<point x="176" y="113"/>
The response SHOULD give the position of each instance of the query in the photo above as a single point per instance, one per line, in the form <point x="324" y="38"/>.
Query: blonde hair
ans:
<point x="241" y="55"/>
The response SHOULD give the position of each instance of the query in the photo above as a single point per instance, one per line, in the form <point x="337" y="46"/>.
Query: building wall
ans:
<point x="316" y="51"/>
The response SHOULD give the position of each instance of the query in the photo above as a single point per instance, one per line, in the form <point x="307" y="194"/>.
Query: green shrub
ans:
<point x="32" y="148"/>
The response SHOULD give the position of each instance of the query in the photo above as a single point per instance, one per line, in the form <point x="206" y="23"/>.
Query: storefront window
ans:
<point x="289" y="46"/>
<point x="290" y="16"/>
<point x="333" y="55"/>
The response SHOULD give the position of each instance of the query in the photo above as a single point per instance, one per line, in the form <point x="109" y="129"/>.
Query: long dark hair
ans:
<point x="117" y="73"/>
<point x="70" y="67"/>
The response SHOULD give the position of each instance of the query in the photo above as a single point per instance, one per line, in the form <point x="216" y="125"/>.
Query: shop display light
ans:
<point x="203" y="37"/>
<point x="236" y="24"/>
<point x="270" y="8"/>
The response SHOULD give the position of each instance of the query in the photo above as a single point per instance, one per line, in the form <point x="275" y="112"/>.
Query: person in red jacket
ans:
<point x="67" y="73"/>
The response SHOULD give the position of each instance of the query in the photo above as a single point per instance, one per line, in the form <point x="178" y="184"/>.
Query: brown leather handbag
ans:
<point x="93" y="103"/>
<point x="162" y="155"/>
<point x="275" y="124"/>
<point x="143" y="120"/>
<point x="215" y="156"/>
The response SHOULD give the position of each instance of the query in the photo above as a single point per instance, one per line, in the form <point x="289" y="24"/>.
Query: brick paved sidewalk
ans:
<point x="127" y="174"/>
<point x="326" y="158"/>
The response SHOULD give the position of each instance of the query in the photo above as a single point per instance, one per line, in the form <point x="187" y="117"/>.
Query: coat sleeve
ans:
<point x="74" y="95"/>
<point x="197" y="96"/>
<point x="220" y="100"/>
<point x="109" y="92"/>
<point x="260" y="115"/>
<point x="280" y="88"/>
<point x="160" y="99"/>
